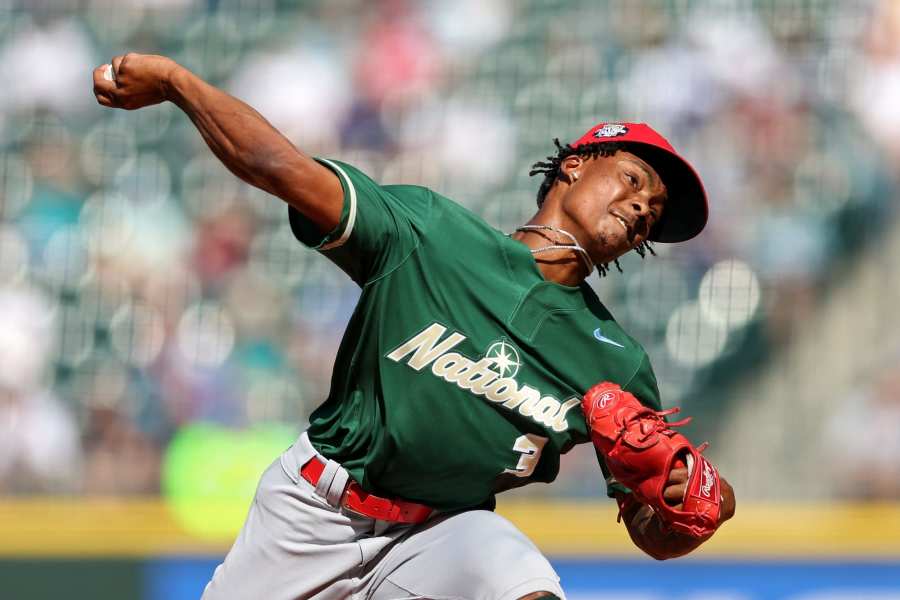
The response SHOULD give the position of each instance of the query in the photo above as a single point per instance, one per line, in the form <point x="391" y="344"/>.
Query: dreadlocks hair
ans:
<point x="551" y="169"/>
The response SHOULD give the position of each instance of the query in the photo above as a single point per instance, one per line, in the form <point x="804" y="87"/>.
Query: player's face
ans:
<point x="615" y="203"/>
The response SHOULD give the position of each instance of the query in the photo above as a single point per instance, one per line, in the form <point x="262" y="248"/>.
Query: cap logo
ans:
<point x="611" y="130"/>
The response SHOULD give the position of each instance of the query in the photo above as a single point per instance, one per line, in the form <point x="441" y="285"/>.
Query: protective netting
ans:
<point x="144" y="289"/>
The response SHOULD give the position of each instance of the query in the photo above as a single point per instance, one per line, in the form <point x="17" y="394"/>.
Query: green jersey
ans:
<point x="462" y="369"/>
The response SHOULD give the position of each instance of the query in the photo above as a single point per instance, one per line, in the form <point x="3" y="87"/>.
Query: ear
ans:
<point x="571" y="168"/>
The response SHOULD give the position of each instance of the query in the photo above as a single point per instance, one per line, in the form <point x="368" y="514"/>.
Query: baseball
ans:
<point x="108" y="73"/>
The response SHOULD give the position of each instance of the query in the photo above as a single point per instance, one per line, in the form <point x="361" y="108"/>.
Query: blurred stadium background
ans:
<point x="163" y="337"/>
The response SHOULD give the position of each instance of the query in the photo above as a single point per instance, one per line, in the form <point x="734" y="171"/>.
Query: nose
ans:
<point x="640" y="208"/>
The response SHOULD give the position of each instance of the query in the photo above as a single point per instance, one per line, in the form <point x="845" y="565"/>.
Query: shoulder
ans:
<point x="453" y="217"/>
<point x="426" y="194"/>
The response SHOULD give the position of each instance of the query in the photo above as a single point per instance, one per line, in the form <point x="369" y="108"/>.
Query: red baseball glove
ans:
<point x="641" y="449"/>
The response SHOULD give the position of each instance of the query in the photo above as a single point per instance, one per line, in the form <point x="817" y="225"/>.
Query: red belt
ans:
<point x="369" y="505"/>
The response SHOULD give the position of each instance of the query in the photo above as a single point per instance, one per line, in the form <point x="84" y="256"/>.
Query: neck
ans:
<point x="555" y="253"/>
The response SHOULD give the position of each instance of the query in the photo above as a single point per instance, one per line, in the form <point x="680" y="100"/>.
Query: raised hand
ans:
<point x="138" y="80"/>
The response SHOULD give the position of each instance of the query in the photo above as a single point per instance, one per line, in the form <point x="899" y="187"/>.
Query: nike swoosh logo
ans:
<point x="606" y="340"/>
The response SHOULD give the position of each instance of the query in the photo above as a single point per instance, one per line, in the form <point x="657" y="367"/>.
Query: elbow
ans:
<point x="654" y="551"/>
<point x="256" y="164"/>
<point x="263" y="167"/>
<point x="657" y="555"/>
<point x="674" y="547"/>
<point x="283" y="173"/>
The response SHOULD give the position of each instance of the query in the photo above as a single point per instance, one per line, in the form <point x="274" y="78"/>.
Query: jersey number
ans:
<point x="529" y="446"/>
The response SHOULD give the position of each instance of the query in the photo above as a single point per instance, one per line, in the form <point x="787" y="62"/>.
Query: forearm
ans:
<point x="237" y="134"/>
<point x="651" y="535"/>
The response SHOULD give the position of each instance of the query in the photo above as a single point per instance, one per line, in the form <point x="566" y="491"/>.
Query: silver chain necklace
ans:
<point x="575" y="245"/>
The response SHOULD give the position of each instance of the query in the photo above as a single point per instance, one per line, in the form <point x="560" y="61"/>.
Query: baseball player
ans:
<point x="470" y="365"/>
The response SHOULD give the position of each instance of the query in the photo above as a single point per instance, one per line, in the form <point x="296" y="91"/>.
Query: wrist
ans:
<point x="173" y="82"/>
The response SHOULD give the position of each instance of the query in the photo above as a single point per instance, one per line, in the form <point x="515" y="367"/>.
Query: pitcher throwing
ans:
<point x="470" y="365"/>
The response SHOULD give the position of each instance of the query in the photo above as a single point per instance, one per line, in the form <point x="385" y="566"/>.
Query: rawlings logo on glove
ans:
<point x="641" y="449"/>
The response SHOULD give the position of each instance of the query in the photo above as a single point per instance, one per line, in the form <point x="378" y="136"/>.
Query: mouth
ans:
<point x="621" y="221"/>
<point x="635" y="232"/>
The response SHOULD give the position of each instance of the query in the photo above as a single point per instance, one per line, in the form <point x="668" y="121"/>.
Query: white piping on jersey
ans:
<point x="575" y="245"/>
<point x="351" y="218"/>
<point x="478" y="378"/>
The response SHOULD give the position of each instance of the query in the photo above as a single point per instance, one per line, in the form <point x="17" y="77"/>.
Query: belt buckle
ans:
<point x="345" y="504"/>
<point x="347" y="500"/>
<point x="382" y="509"/>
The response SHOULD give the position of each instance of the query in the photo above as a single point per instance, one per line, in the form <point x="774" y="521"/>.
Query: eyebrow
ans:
<point x="642" y="167"/>
<point x="647" y="172"/>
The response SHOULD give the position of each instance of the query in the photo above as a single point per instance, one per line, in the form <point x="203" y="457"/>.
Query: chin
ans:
<point x="606" y="258"/>
<point x="608" y="252"/>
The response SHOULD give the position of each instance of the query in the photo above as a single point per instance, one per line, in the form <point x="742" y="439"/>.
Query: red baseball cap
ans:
<point x="687" y="208"/>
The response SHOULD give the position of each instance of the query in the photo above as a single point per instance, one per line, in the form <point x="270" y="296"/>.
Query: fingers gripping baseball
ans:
<point x="658" y="464"/>
<point x="103" y="85"/>
<point x="133" y="81"/>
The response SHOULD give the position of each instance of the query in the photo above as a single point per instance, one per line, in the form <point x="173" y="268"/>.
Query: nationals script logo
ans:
<point x="491" y="377"/>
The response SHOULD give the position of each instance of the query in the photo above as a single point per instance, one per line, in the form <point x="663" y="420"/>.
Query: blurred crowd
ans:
<point x="143" y="288"/>
<point x="861" y="441"/>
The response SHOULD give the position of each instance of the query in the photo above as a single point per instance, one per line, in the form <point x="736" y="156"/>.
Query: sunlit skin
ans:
<point x="609" y="203"/>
